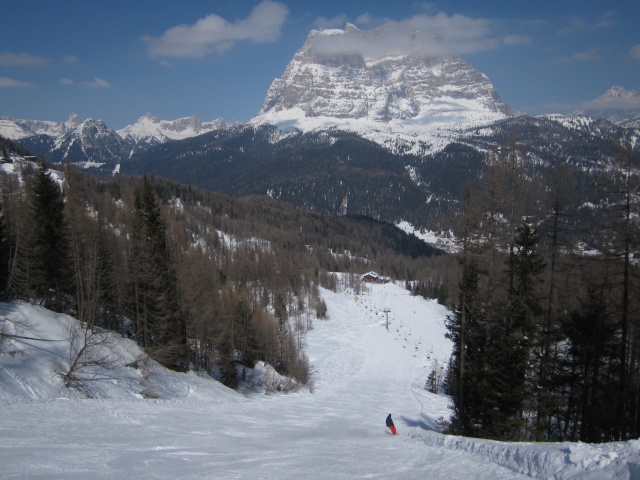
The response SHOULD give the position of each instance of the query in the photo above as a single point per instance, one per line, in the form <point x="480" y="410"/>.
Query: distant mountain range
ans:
<point x="408" y="103"/>
<point x="150" y="130"/>
<point x="91" y="144"/>
<point x="389" y="135"/>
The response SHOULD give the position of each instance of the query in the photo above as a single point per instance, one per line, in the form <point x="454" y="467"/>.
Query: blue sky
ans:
<point x="117" y="60"/>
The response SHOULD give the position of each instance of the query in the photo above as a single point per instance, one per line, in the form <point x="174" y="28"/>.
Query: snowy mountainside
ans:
<point x="631" y="122"/>
<point x="381" y="96"/>
<point x="150" y="130"/>
<point x="446" y="241"/>
<point x="16" y="129"/>
<point x="88" y="143"/>
<point x="200" y="429"/>
<point x="584" y="141"/>
<point x="317" y="169"/>
<point x="619" y="105"/>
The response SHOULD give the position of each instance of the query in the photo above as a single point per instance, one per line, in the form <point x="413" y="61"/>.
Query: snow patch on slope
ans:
<point x="37" y="346"/>
<point x="444" y="240"/>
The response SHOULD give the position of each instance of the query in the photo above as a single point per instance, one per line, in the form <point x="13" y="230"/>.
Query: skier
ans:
<point x="391" y="425"/>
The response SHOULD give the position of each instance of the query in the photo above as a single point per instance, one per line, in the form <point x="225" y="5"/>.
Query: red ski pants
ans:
<point x="393" y="429"/>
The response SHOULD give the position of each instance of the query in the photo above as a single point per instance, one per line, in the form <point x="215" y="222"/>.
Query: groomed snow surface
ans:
<point x="200" y="429"/>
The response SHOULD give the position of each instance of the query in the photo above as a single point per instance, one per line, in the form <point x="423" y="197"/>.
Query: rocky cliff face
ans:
<point x="378" y="88"/>
<point x="387" y="96"/>
<point x="89" y="143"/>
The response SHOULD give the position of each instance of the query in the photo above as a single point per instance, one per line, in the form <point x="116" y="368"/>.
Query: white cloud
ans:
<point x="66" y="81"/>
<point x="97" y="83"/>
<point x="214" y="34"/>
<point x="425" y="35"/>
<point x="616" y="99"/>
<point x="611" y="103"/>
<point x="69" y="59"/>
<point x="576" y="24"/>
<point x="364" y="19"/>
<point x="428" y="6"/>
<point x="635" y="52"/>
<point x="592" y="55"/>
<point x="335" y="22"/>
<point x="609" y="19"/>
<point x="580" y="24"/>
<point x="517" y="40"/>
<point x="9" y="83"/>
<point x="10" y="59"/>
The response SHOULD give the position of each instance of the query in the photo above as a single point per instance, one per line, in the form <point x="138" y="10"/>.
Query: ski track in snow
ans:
<point x="361" y="372"/>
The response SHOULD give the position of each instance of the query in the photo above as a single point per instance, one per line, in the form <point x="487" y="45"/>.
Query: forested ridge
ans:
<point x="312" y="170"/>
<point x="200" y="280"/>
<point x="318" y="169"/>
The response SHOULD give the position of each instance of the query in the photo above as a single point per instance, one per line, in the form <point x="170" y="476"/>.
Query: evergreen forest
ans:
<point x="546" y="323"/>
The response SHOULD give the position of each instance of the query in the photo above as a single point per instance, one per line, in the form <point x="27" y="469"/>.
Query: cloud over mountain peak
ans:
<point x="421" y="35"/>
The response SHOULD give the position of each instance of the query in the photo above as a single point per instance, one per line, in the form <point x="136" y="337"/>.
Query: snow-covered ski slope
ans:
<point x="362" y="372"/>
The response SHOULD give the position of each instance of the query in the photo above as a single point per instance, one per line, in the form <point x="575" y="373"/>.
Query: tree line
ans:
<point x="545" y="330"/>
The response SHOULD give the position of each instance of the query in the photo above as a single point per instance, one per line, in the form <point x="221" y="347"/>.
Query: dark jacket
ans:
<point x="389" y="421"/>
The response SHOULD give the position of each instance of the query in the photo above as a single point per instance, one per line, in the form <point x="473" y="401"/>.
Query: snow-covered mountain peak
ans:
<point x="617" y="91"/>
<point x="90" y="142"/>
<point x="350" y="27"/>
<point x="15" y="129"/>
<point x="148" y="117"/>
<point x="151" y="130"/>
<point x="357" y="80"/>
<point x="617" y="104"/>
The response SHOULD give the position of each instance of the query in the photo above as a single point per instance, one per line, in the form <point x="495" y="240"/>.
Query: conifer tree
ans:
<point x="619" y="237"/>
<point x="5" y="253"/>
<point x="160" y="322"/>
<point x="467" y="329"/>
<point x="5" y="155"/>
<point x="512" y="340"/>
<point x="17" y="216"/>
<point x="549" y="337"/>
<point x="591" y="353"/>
<point x="467" y="376"/>
<point x="50" y="240"/>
